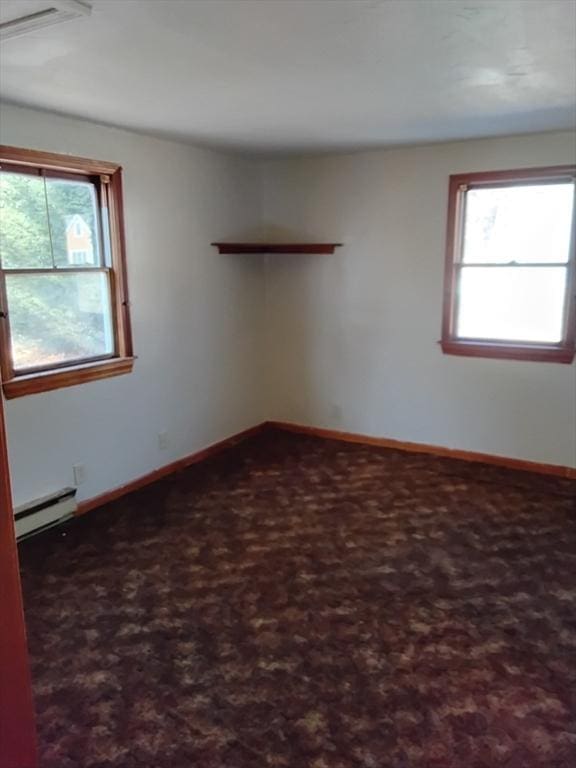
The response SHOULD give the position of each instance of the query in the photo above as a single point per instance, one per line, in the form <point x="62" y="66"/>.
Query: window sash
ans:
<point x="76" y="363"/>
<point x="510" y="264"/>
<point x="461" y="196"/>
<point x="102" y="226"/>
<point x="62" y="270"/>
<point x="459" y="265"/>
<point x="528" y="181"/>
<point x="460" y="268"/>
<point x="102" y="222"/>
<point x="70" y="363"/>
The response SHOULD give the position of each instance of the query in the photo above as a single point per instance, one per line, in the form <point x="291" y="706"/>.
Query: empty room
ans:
<point x="287" y="384"/>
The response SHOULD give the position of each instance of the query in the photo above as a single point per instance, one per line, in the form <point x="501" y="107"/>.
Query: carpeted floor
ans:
<point x="306" y="603"/>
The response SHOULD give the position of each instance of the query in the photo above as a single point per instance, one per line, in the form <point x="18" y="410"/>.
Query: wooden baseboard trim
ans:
<point x="434" y="450"/>
<point x="157" y="474"/>
<point x="331" y="434"/>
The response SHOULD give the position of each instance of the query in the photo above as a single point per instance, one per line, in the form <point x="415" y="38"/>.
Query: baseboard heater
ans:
<point x="44" y="513"/>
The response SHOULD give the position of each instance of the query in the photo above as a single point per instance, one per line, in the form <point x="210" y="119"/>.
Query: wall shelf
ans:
<point x="276" y="247"/>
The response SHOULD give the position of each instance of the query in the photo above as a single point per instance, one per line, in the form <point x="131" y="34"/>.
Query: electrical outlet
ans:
<point x="163" y="440"/>
<point x="79" y="473"/>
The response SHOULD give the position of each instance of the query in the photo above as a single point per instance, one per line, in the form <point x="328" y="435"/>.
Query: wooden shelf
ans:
<point x="276" y="247"/>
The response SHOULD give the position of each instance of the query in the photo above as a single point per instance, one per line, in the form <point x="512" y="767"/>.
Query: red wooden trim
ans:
<point x="451" y="344"/>
<point x="349" y="437"/>
<point x="115" y="200"/>
<point x="34" y="170"/>
<point x="17" y="729"/>
<point x="14" y="156"/>
<point x="453" y="235"/>
<point x="551" y="172"/>
<point x="533" y="353"/>
<point x="276" y="247"/>
<point x="168" y="469"/>
<point x="434" y="450"/>
<point x="68" y="377"/>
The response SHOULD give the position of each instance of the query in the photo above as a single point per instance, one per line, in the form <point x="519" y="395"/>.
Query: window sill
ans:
<point x="67" y="377"/>
<point x="532" y="352"/>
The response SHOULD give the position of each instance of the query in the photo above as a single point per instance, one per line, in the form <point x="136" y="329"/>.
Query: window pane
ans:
<point x="524" y="224"/>
<point x="511" y="303"/>
<point x="58" y="318"/>
<point x="24" y="235"/>
<point x="73" y="222"/>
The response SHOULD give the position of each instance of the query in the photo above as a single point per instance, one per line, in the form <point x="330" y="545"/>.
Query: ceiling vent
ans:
<point x="37" y="15"/>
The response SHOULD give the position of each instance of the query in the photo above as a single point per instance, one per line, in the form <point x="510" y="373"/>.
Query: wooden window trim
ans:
<point x="66" y="377"/>
<point x="563" y="352"/>
<point x="108" y="177"/>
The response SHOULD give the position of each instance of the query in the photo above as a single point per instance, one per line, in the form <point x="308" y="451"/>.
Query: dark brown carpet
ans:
<point x="311" y="604"/>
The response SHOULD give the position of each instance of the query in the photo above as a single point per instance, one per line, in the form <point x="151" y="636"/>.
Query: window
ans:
<point x="64" y="302"/>
<point x="510" y="265"/>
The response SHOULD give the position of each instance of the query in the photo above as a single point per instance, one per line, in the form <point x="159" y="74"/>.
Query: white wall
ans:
<point x="352" y="338"/>
<point x="196" y="316"/>
<point x="346" y="341"/>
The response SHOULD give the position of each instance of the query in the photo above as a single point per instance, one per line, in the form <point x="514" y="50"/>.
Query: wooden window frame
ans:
<point x="564" y="351"/>
<point x="108" y="180"/>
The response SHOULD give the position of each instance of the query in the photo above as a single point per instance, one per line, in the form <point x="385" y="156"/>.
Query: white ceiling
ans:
<point x="304" y="75"/>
